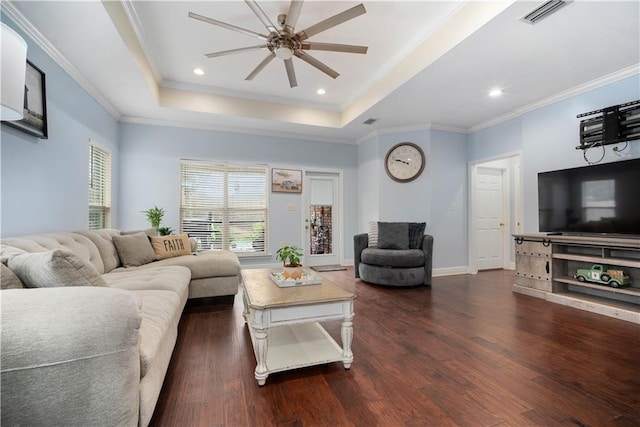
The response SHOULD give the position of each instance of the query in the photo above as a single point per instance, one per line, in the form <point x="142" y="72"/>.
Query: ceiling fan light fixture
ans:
<point x="283" y="52"/>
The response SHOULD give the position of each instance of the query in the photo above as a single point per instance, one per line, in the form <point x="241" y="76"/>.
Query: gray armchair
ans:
<point x="396" y="260"/>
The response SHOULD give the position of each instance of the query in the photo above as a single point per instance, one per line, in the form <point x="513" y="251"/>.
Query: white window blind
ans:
<point x="99" y="188"/>
<point x="225" y="206"/>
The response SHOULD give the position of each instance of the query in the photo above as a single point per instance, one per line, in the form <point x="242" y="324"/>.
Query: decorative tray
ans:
<point x="307" y="279"/>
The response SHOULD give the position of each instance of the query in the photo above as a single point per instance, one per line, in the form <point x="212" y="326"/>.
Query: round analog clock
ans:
<point x="404" y="162"/>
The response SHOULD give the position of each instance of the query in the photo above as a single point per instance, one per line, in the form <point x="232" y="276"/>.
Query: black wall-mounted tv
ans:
<point x="596" y="199"/>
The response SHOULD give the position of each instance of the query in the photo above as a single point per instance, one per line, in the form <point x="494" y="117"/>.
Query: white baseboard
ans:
<point x="347" y="262"/>
<point x="449" y="271"/>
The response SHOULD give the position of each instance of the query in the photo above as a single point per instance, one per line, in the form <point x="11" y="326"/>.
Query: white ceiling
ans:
<point x="429" y="63"/>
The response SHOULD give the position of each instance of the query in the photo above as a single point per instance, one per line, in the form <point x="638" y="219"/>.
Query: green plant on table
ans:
<point x="289" y="255"/>
<point x="154" y="215"/>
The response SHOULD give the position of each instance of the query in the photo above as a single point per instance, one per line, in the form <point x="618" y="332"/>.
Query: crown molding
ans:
<point x="560" y="96"/>
<point x="9" y="9"/>
<point x="136" y="25"/>
<point x="231" y="129"/>
<point x="424" y="127"/>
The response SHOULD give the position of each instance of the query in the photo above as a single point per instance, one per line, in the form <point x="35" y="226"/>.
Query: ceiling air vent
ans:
<point x="544" y="10"/>
<point x="369" y="121"/>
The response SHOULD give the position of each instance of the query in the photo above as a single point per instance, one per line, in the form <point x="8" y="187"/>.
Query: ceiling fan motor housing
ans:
<point x="283" y="45"/>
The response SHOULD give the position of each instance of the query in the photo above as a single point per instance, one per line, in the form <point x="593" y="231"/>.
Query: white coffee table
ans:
<point x="284" y="323"/>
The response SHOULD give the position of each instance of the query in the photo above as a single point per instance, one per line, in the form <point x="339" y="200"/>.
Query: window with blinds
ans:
<point x="225" y="206"/>
<point x="99" y="188"/>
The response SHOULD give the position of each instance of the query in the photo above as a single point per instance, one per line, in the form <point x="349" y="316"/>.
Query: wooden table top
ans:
<point x="263" y="293"/>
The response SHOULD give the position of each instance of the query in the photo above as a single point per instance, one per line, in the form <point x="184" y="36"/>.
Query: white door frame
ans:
<point x="338" y="214"/>
<point x="513" y="222"/>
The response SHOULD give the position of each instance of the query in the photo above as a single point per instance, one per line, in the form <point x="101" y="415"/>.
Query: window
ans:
<point x="599" y="200"/>
<point x="99" y="188"/>
<point x="225" y="206"/>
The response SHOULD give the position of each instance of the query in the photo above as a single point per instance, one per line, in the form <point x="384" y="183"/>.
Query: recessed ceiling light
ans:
<point x="495" y="92"/>
<point x="321" y="91"/>
<point x="198" y="71"/>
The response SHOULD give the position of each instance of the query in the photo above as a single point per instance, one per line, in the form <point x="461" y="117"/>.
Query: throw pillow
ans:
<point x="134" y="249"/>
<point x="148" y="231"/>
<point x="194" y="244"/>
<point x="8" y="279"/>
<point x="55" y="268"/>
<point x="416" y="233"/>
<point x="373" y="234"/>
<point x="393" y="235"/>
<point x="171" y="246"/>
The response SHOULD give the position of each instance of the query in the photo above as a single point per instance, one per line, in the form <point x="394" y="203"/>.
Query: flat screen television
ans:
<point x="596" y="199"/>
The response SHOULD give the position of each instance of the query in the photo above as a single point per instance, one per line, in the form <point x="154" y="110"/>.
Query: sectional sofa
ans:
<point x="87" y="333"/>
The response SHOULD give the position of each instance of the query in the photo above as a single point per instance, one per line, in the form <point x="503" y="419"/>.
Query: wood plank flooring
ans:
<point x="464" y="352"/>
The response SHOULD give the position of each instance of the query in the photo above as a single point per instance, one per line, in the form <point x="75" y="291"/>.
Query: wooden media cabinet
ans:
<point x="546" y="266"/>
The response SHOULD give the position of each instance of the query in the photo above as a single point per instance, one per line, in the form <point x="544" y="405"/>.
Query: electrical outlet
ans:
<point x="291" y="207"/>
<point x="282" y="244"/>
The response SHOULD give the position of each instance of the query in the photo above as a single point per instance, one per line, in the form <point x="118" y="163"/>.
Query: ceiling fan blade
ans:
<point x="319" y="65"/>
<point x="227" y="26"/>
<point x="332" y="22"/>
<point x="261" y="15"/>
<point x="232" y="51"/>
<point x="260" y="66"/>
<point x="291" y="73"/>
<point x="334" y="47"/>
<point x="292" y="16"/>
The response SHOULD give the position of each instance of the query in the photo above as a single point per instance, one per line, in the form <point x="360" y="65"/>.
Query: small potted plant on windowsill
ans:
<point x="290" y="257"/>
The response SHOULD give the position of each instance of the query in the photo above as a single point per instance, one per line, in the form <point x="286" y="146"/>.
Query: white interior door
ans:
<point x="322" y="220"/>
<point x="490" y="218"/>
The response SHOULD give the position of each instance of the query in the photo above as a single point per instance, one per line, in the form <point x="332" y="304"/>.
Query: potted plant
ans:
<point x="154" y="215"/>
<point x="165" y="231"/>
<point x="290" y="257"/>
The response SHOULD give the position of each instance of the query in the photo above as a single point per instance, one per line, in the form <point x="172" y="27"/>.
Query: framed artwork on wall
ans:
<point x="35" y="104"/>
<point x="286" y="181"/>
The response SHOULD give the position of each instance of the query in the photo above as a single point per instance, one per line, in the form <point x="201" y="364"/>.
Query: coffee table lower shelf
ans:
<point x="297" y="346"/>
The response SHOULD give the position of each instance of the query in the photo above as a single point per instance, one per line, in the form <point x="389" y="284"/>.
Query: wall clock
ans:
<point x="404" y="162"/>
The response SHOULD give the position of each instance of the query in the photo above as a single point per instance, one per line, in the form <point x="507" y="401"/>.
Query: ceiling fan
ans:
<point x="285" y="43"/>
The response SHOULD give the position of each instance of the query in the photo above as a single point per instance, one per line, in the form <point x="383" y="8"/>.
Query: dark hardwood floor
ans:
<point x="465" y="352"/>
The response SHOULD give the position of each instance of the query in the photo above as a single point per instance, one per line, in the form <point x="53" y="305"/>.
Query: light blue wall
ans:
<point x="368" y="183"/>
<point x="437" y="196"/>
<point x="150" y="172"/>
<point x="547" y="138"/>
<point x="449" y="220"/>
<point x="44" y="181"/>
<point x="495" y="141"/>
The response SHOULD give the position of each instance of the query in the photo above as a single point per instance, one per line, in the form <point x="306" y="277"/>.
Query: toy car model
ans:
<point x="603" y="275"/>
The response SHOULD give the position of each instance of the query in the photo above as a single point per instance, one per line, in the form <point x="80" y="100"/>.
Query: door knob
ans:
<point x="502" y="224"/>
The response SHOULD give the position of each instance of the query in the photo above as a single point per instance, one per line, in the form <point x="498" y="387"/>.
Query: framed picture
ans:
<point x="35" y="104"/>
<point x="286" y="181"/>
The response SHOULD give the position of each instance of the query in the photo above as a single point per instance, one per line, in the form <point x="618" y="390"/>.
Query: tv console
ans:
<point x="547" y="263"/>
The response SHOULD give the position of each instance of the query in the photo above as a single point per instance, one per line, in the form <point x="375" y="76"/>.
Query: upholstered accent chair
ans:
<point x="394" y="254"/>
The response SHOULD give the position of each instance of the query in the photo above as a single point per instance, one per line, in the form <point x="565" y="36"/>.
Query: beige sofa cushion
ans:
<point x="202" y="264"/>
<point x="168" y="278"/>
<point x="55" y="268"/>
<point x="103" y="239"/>
<point x="134" y="250"/>
<point x="161" y="311"/>
<point x="74" y="242"/>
